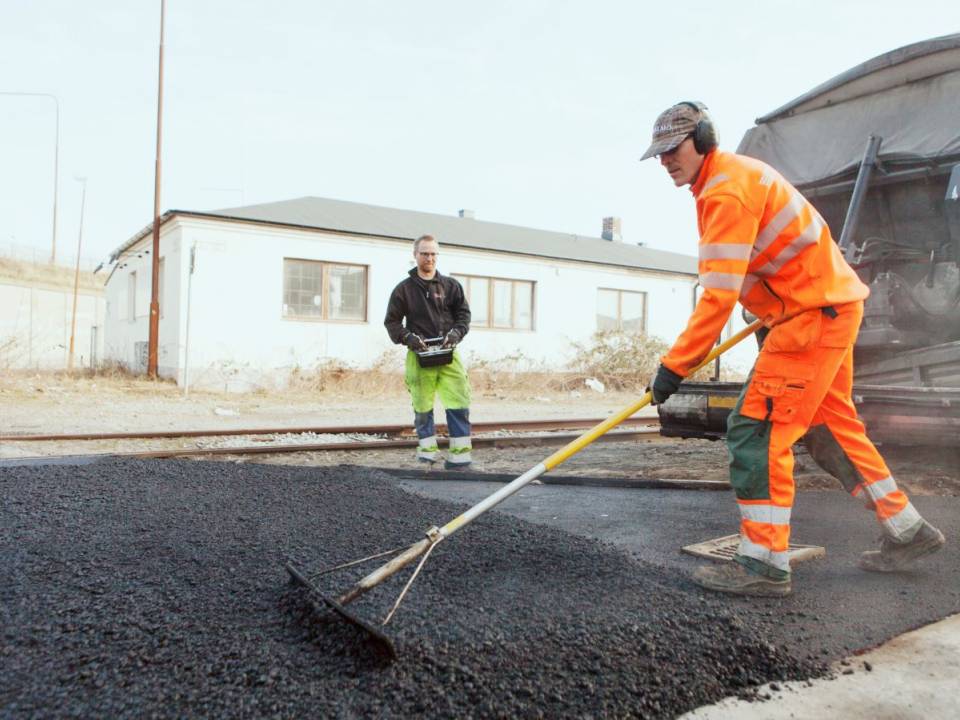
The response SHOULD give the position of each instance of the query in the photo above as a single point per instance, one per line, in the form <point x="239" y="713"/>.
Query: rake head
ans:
<point x="377" y="637"/>
<point x="403" y="557"/>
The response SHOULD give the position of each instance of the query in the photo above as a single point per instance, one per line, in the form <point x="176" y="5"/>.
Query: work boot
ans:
<point x="893" y="556"/>
<point x="732" y="577"/>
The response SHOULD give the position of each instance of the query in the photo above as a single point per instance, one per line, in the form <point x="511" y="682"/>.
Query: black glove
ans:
<point x="762" y="333"/>
<point x="414" y="342"/>
<point x="452" y="338"/>
<point x="664" y="384"/>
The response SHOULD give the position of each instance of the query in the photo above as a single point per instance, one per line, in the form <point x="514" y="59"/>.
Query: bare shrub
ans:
<point x="112" y="370"/>
<point x="11" y="354"/>
<point x="339" y="377"/>
<point x="626" y="361"/>
<point x="619" y="359"/>
<point x="515" y="373"/>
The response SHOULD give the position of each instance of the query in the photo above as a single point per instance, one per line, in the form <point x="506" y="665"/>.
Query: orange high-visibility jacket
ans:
<point x="763" y="244"/>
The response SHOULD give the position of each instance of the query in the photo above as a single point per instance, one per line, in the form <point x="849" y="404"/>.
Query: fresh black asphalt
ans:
<point x="836" y="609"/>
<point x="157" y="589"/>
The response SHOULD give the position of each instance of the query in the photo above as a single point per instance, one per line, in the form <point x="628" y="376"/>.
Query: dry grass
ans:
<point x="621" y="361"/>
<point x="30" y="273"/>
<point x="627" y="361"/>
<point x="385" y="375"/>
<point x="81" y="386"/>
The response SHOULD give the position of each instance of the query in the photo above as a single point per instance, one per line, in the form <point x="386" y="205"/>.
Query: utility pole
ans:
<point x="76" y="275"/>
<point x="154" y="336"/>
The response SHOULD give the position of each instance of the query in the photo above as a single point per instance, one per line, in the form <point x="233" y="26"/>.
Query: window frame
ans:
<point x="324" y="289"/>
<point x="491" y="283"/>
<point x="620" y="293"/>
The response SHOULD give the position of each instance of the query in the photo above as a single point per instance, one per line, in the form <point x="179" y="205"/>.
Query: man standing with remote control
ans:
<point x="428" y="305"/>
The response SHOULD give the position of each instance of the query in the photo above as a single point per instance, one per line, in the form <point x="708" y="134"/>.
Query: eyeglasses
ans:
<point x="427" y="254"/>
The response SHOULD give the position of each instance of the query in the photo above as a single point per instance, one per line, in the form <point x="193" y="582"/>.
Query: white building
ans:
<point x="292" y="284"/>
<point x="37" y="318"/>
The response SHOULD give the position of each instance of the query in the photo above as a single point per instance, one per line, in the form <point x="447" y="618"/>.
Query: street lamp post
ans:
<point x="56" y="163"/>
<point x="76" y="274"/>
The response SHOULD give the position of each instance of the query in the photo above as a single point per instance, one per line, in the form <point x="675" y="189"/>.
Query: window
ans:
<point x="499" y="303"/>
<point x="132" y="296"/>
<point x="621" y="310"/>
<point x="314" y="290"/>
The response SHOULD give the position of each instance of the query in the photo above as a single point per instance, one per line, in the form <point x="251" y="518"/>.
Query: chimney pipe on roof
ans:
<point x="612" y="230"/>
<point x="469" y="214"/>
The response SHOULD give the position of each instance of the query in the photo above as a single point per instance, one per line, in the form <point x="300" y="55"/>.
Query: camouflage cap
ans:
<point x="672" y="127"/>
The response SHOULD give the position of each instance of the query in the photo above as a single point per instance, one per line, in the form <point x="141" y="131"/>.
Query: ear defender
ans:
<point x="705" y="133"/>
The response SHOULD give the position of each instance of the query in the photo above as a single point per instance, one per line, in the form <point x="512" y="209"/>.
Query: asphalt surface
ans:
<point x="836" y="609"/>
<point x="157" y="589"/>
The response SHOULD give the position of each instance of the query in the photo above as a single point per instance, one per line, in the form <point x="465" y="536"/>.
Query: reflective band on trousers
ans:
<point x="872" y="493"/>
<point x="459" y="451"/>
<point x="460" y="444"/>
<point x="898" y="524"/>
<point x="721" y="281"/>
<point x="428" y="444"/>
<point x="779" y="560"/>
<point x="765" y="513"/>
<point x="726" y="251"/>
<point x="875" y="490"/>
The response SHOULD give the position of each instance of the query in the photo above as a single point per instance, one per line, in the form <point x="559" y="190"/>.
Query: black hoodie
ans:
<point x="431" y="307"/>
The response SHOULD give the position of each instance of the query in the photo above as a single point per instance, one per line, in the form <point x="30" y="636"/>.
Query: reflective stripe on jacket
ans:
<point x="762" y="243"/>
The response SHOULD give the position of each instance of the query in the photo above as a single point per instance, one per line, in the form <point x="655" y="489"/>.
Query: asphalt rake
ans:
<point x="421" y="550"/>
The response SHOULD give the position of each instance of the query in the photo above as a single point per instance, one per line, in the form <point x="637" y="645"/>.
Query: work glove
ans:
<point x="414" y="342"/>
<point x="452" y="338"/>
<point x="762" y="332"/>
<point x="664" y="384"/>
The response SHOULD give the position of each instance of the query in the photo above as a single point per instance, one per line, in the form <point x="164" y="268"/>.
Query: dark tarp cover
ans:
<point x="910" y="97"/>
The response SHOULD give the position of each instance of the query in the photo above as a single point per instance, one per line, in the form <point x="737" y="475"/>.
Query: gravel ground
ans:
<point x="156" y="589"/>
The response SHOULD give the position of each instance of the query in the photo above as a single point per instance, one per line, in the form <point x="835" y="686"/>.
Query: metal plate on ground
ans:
<point x="724" y="548"/>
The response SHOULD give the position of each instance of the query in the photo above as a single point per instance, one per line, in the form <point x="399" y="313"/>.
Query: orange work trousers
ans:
<point x="801" y="385"/>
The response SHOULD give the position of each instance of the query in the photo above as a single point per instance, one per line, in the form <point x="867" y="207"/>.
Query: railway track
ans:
<point x="389" y="430"/>
<point x="520" y="433"/>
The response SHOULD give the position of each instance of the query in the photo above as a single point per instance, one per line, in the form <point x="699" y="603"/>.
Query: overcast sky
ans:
<point x="530" y="112"/>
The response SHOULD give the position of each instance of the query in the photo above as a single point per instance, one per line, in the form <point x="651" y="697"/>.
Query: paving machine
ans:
<point x="877" y="151"/>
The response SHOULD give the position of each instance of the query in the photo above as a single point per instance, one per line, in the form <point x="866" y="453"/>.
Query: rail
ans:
<point x="396" y="430"/>
<point x="636" y="429"/>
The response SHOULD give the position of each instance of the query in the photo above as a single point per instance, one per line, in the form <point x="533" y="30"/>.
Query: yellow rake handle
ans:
<point x="575" y="446"/>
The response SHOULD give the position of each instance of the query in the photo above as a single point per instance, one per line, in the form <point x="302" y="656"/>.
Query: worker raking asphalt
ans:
<point x="135" y="588"/>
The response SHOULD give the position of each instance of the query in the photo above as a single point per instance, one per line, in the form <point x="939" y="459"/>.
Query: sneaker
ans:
<point x="447" y="465"/>
<point x="893" y="556"/>
<point x="732" y="577"/>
